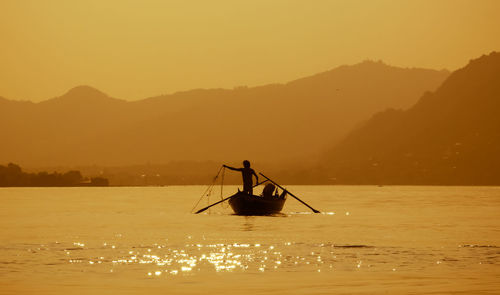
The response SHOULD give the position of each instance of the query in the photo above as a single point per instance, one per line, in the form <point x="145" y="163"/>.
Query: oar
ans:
<point x="203" y="209"/>
<point x="314" y="210"/>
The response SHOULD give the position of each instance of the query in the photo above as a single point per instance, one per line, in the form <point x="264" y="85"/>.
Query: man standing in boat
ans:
<point x="247" y="173"/>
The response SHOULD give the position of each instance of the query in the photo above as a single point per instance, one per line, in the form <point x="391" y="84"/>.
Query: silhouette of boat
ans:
<point x="246" y="204"/>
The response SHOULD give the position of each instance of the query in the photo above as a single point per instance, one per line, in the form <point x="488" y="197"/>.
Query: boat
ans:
<point x="245" y="204"/>
<point x="248" y="204"/>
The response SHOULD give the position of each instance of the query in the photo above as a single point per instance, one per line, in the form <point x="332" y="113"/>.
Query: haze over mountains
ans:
<point x="451" y="136"/>
<point x="272" y="123"/>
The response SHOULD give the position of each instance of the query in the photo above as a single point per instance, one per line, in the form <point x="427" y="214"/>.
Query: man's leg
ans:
<point x="248" y="189"/>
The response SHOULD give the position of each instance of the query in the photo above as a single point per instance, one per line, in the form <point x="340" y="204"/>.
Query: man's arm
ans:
<point x="256" y="177"/>
<point x="232" y="168"/>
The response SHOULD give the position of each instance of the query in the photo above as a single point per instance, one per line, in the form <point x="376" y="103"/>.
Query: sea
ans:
<point x="146" y="240"/>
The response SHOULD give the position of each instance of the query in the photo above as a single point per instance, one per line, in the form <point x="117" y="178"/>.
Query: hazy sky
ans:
<point x="135" y="49"/>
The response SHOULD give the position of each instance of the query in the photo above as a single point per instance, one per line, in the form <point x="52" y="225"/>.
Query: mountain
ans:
<point x="274" y="123"/>
<point x="450" y="136"/>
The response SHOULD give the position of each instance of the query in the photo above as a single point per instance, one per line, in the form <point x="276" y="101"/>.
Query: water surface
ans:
<point x="368" y="240"/>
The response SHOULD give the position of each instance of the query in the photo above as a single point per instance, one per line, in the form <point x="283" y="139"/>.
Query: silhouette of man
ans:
<point x="247" y="173"/>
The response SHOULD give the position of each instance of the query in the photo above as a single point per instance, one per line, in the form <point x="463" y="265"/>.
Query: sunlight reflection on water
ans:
<point x="195" y="257"/>
<point x="163" y="259"/>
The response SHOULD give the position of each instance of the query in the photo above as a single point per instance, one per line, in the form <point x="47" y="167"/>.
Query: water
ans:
<point x="143" y="240"/>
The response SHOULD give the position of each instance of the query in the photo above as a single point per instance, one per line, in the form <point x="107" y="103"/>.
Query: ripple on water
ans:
<point x="221" y="257"/>
<point x="477" y="246"/>
<point x="195" y="256"/>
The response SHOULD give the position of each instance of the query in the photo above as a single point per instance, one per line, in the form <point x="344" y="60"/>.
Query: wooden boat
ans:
<point x="246" y="204"/>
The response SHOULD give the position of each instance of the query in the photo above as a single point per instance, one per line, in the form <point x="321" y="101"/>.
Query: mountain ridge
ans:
<point x="88" y="89"/>
<point x="448" y="137"/>
<point x="274" y="122"/>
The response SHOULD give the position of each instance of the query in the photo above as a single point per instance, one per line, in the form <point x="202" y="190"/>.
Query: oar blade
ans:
<point x="201" y="210"/>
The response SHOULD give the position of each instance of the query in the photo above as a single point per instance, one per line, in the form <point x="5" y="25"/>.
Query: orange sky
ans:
<point x="135" y="49"/>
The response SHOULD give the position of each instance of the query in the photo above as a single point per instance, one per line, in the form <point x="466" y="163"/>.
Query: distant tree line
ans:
<point x="12" y="175"/>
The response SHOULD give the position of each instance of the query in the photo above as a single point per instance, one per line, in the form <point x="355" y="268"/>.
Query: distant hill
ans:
<point x="451" y="136"/>
<point x="12" y="175"/>
<point x="272" y="123"/>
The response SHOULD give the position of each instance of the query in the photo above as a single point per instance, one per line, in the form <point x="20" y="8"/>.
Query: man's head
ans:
<point x="246" y="164"/>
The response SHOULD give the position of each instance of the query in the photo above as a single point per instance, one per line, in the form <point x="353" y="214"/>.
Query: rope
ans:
<point x="222" y="185"/>
<point x="208" y="191"/>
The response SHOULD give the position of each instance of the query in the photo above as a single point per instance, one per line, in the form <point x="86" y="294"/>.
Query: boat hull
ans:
<point x="245" y="204"/>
